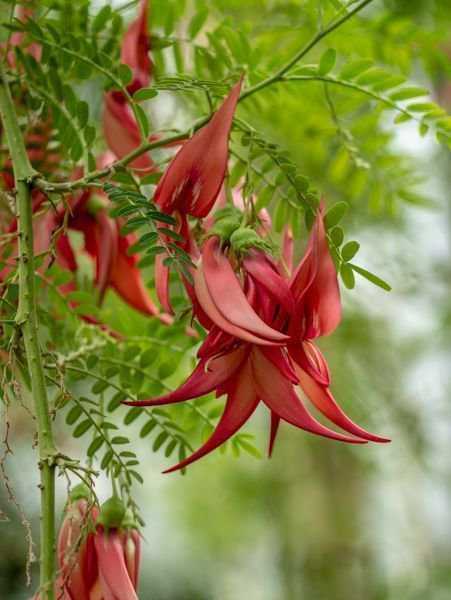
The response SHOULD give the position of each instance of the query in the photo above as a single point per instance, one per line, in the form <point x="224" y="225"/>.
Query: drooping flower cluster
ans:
<point x="260" y="343"/>
<point x="262" y="319"/>
<point x="98" y="551"/>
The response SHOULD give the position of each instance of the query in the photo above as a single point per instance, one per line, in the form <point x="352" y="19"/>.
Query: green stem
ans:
<point x="27" y="321"/>
<point x="147" y="146"/>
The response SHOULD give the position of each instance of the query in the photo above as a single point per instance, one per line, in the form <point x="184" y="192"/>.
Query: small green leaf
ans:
<point x="349" y="250"/>
<point x="355" y="68"/>
<point x="99" y="386"/>
<point x="106" y="459"/>
<point x="337" y="236"/>
<point x="371" y="277"/>
<point x="101" y="19"/>
<point x="335" y="214"/>
<point x="327" y="61"/>
<point x="197" y="22"/>
<point x="74" y="414"/>
<point x="347" y="276"/>
<point x="125" y="74"/>
<point x="82" y="113"/>
<point x="407" y="93"/>
<point x="148" y="427"/>
<point x="120" y="439"/>
<point x="95" y="445"/>
<point x="82" y="428"/>
<point x="132" y="415"/>
<point x="145" y="94"/>
<point x="159" y="440"/>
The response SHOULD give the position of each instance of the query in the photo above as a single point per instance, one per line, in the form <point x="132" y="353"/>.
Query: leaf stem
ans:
<point x="27" y="322"/>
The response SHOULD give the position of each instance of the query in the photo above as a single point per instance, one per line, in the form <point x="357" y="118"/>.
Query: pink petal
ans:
<point x="226" y="292"/>
<point x="162" y="283"/>
<point x="315" y="285"/>
<point x="323" y="400"/>
<point x="281" y="360"/>
<point x="203" y="380"/>
<point x="241" y="403"/>
<point x="127" y="281"/>
<point x="194" y="178"/>
<point x="286" y="262"/>
<point x="264" y="271"/>
<point x="122" y="132"/>
<point x="136" y="46"/>
<point x="278" y="394"/>
<point x="210" y="308"/>
<point x="311" y="360"/>
<point x="112" y="568"/>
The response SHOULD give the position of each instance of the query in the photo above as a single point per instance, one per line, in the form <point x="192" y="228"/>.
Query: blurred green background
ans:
<point x="322" y="521"/>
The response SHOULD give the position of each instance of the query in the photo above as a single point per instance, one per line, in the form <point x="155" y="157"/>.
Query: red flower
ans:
<point x="95" y="564"/>
<point x="194" y="178"/>
<point x="109" y="250"/>
<point x="121" y="130"/>
<point x="259" y="344"/>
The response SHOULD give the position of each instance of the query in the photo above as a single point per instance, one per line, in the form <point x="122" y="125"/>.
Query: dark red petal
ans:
<point x="226" y="292"/>
<point x="282" y="362"/>
<point x="136" y="45"/>
<point x="211" y="310"/>
<point x="275" y="422"/>
<point x="278" y="394"/>
<point x="323" y="400"/>
<point x="241" y="403"/>
<point x="311" y="360"/>
<point x="262" y="269"/>
<point x="122" y="132"/>
<point x="127" y="281"/>
<point x="203" y="380"/>
<point x="194" y="178"/>
<point x="162" y="283"/>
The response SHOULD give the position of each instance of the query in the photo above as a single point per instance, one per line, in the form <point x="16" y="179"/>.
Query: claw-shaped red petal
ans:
<point x="241" y="403"/>
<point x="278" y="394"/>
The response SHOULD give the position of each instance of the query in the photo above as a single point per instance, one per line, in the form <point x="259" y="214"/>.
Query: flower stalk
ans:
<point x="27" y="321"/>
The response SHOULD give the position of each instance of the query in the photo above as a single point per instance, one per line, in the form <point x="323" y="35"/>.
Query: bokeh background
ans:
<point x="320" y="520"/>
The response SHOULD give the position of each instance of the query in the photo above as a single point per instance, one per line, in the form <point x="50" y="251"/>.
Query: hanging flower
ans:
<point x="259" y="347"/>
<point x="121" y="130"/>
<point x="194" y="178"/>
<point x="98" y="551"/>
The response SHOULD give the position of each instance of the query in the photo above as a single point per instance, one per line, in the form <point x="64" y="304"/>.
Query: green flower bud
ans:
<point x="112" y="513"/>
<point x="80" y="492"/>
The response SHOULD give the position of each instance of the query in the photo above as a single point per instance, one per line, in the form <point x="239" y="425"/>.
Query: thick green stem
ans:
<point x="27" y="321"/>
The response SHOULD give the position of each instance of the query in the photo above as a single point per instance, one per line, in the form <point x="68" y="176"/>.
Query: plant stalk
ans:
<point x="27" y="322"/>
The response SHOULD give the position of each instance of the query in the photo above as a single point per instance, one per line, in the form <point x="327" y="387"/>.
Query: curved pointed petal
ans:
<point x="278" y="394"/>
<point x="136" y="46"/>
<point x="315" y="285"/>
<point x="282" y="362"/>
<point x="194" y="178"/>
<point x="228" y="296"/>
<point x="112" y="568"/>
<point x="323" y="400"/>
<point x="207" y="304"/>
<point x="275" y="422"/>
<point x="203" y="380"/>
<point x="162" y="283"/>
<point x="261" y="269"/>
<point x="286" y="261"/>
<point x="311" y="360"/>
<point x="241" y="403"/>
<point x="122" y="132"/>
<point x="127" y="281"/>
